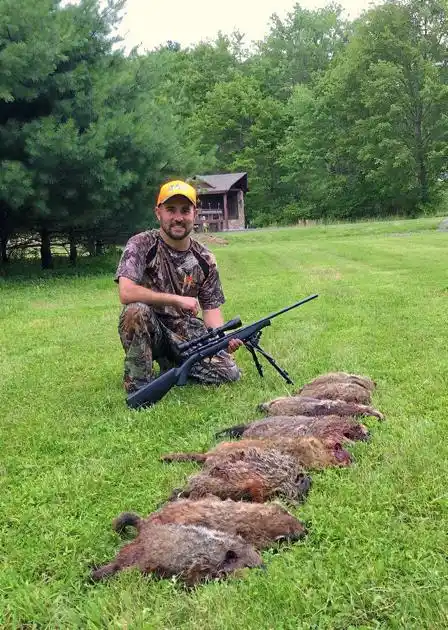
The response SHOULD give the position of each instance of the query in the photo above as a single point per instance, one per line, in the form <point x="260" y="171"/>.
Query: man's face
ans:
<point x="176" y="217"/>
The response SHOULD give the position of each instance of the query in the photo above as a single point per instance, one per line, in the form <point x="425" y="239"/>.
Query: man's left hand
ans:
<point x="234" y="344"/>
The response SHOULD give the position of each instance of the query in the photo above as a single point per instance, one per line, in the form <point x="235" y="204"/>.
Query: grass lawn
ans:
<point x="73" y="456"/>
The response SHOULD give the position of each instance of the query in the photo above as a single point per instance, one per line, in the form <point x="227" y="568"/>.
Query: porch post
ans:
<point x="226" y="213"/>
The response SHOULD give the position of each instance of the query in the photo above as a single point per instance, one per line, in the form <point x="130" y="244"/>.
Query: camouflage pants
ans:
<point x="146" y="339"/>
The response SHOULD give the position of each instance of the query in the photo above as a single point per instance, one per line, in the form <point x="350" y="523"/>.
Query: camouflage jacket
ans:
<point x="151" y="263"/>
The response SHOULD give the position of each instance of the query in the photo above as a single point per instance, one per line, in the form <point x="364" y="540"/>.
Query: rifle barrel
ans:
<point x="242" y="333"/>
<point x="288" y="308"/>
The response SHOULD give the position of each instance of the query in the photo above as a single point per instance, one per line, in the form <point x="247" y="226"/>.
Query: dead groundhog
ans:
<point x="310" y="452"/>
<point x="344" y="377"/>
<point x="256" y="475"/>
<point x="350" y="392"/>
<point x="258" y="524"/>
<point x="188" y="552"/>
<point x="344" y="429"/>
<point x="307" y="406"/>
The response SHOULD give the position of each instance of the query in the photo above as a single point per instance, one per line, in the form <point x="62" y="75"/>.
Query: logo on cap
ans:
<point x="176" y="187"/>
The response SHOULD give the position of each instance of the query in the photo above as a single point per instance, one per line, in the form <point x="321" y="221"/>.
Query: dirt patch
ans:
<point x="401" y="234"/>
<point x="326" y="273"/>
<point x="37" y="323"/>
<point x="210" y="239"/>
<point x="40" y="305"/>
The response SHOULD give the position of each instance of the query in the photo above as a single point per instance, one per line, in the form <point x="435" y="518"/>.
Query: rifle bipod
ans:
<point x="253" y="346"/>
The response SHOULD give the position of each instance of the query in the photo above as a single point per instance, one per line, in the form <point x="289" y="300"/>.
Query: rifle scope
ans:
<point x="211" y="334"/>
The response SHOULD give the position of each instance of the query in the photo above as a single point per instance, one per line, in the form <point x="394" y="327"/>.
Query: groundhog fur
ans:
<point x="310" y="452"/>
<point x="189" y="552"/>
<point x="308" y="406"/>
<point x="350" y="392"/>
<point x="255" y="475"/>
<point x="258" y="524"/>
<point x="343" y="429"/>
<point x="344" y="377"/>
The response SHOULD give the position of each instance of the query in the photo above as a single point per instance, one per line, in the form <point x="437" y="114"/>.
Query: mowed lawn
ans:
<point x="73" y="456"/>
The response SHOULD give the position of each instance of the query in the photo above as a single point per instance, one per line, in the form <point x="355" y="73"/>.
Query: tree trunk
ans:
<point x="423" y="178"/>
<point x="91" y="246"/>
<point x="73" y="250"/>
<point x="99" y="248"/>
<point x="4" y="254"/>
<point x="421" y="163"/>
<point x="45" y="249"/>
<point x="4" y="232"/>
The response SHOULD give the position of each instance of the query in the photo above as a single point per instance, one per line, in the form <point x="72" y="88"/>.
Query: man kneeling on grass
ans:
<point x="164" y="278"/>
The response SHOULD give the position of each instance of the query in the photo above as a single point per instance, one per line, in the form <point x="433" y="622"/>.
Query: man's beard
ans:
<point x="177" y="236"/>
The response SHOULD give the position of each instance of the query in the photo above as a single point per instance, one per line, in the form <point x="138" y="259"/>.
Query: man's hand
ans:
<point x="183" y="303"/>
<point x="213" y="319"/>
<point x="234" y="344"/>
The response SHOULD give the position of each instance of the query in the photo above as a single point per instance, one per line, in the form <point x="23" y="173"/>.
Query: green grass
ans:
<point x="73" y="456"/>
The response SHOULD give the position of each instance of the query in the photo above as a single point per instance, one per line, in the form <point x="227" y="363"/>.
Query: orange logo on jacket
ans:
<point x="188" y="282"/>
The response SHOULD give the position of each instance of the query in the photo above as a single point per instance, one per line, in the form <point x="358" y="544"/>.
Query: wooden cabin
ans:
<point x="220" y="201"/>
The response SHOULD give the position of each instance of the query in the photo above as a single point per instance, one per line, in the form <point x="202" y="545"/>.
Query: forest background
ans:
<point x="332" y="119"/>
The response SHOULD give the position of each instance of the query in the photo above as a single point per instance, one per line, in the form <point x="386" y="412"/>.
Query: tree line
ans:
<point x="330" y="118"/>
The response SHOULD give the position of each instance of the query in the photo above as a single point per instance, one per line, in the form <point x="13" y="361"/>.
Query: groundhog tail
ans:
<point x="377" y="414"/>
<point x="234" y="432"/>
<point x="100" y="573"/>
<point x="184" y="457"/>
<point x="126" y="519"/>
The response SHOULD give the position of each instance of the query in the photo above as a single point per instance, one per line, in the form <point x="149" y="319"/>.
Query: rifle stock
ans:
<point x="154" y="391"/>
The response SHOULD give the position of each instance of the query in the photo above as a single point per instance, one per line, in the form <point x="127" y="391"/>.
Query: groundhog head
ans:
<point x="303" y="484"/>
<point x="340" y="454"/>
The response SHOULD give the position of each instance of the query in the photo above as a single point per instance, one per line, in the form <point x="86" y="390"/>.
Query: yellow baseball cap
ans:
<point x="176" y="187"/>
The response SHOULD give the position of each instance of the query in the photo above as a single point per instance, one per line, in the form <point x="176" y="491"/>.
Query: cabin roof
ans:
<point x="222" y="182"/>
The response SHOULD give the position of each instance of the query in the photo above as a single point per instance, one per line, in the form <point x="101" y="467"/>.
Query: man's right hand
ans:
<point x="183" y="303"/>
<point x="130" y="292"/>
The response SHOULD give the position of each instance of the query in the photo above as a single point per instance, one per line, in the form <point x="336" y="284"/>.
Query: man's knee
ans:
<point x="138" y="310"/>
<point x="137" y="317"/>
<point x="228" y="372"/>
<point x="232" y="372"/>
<point x="218" y="369"/>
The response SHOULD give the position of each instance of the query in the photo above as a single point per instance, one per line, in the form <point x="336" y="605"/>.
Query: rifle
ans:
<point x="208" y="345"/>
